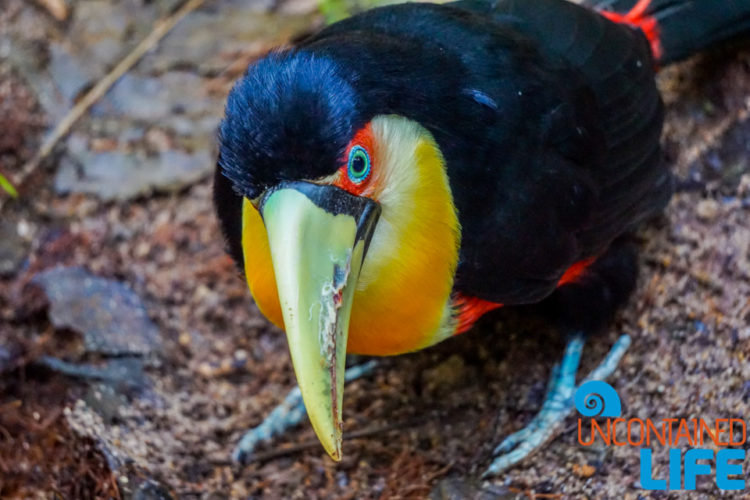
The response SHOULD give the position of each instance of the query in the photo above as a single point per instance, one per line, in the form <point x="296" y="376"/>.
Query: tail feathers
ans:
<point x="679" y="28"/>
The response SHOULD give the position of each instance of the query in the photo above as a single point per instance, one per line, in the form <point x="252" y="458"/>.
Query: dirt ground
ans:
<point x="426" y="422"/>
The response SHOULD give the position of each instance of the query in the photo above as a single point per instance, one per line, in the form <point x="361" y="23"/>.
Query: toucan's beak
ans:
<point x="318" y="236"/>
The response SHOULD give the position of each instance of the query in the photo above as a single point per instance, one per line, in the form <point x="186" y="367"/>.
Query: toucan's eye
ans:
<point x="358" y="168"/>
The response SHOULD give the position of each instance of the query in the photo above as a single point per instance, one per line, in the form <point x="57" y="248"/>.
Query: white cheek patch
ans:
<point x="398" y="181"/>
<point x="409" y="270"/>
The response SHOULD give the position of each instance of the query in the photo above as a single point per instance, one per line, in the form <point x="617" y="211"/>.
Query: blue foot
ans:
<point x="558" y="404"/>
<point x="285" y="416"/>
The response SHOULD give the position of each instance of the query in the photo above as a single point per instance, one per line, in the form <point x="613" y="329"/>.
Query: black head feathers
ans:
<point x="289" y="117"/>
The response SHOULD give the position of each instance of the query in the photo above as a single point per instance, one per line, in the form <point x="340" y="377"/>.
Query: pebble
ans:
<point x="13" y="249"/>
<point x="118" y="176"/>
<point x="109" y="314"/>
<point x="707" y="210"/>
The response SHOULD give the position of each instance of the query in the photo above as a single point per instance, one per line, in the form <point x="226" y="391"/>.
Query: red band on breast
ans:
<point x="470" y="309"/>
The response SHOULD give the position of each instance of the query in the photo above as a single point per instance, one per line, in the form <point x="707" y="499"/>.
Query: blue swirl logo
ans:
<point x="597" y="398"/>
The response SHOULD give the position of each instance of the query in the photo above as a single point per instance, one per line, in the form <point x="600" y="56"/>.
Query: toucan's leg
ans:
<point x="586" y="305"/>
<point x="558" y="404"/>
<point x="285" y="416"/>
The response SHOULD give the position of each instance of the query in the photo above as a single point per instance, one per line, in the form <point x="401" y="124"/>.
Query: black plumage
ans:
<point x="546" y="113"/>
<point x="548" y="118"/>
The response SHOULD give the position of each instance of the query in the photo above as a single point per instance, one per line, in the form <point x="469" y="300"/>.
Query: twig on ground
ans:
<point x="160" y="29"/>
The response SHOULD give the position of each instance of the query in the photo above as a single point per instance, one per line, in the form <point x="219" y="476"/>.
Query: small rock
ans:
<point x="106" y="401"/>
<point x="153" y="99"/>
<point x="248" y="24"/>
<point x="113" y="175"/>
<point x="70" y="74"/>
<point x="707" y="210"/>
<point x="97" y="29"/>
<point x="184" y="339"/>
<point x="109" y="314"/>
<point x="126" y="372"/>
<point x="13" y="249"/>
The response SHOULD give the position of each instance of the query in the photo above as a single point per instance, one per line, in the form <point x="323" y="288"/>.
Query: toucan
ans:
<point x="387" y="181"/>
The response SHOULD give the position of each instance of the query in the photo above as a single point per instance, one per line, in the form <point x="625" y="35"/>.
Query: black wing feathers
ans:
<point x="616" y="66"/>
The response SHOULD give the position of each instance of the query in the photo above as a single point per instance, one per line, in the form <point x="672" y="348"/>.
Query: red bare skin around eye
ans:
<point x="362" y="138"/>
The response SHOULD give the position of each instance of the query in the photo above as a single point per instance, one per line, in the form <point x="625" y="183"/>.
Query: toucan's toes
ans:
<point x="285" y="416"/>
<point x="528" y="440"/>
<point x="558" y="404"/>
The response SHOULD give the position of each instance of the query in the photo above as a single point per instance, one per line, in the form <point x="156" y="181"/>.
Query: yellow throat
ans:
<point x="402" y="299"/>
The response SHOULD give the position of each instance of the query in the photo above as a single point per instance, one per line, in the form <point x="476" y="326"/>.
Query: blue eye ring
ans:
<point x="359" y="166"/>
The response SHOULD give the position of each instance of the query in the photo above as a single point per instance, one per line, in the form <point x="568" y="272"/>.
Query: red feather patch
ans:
<point x="470" y="309"/>
<point x="637" y="17"/>
<point x="364" y="139"/>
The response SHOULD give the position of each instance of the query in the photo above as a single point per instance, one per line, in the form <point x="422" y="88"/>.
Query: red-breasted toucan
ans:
<point x="387" y="181"/>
